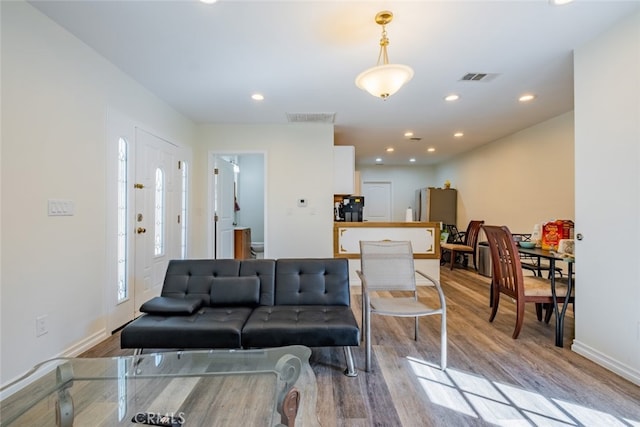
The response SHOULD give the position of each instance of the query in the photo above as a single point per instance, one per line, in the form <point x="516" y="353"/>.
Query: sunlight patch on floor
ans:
<point x="503" y="404"/>
<point x="588" y="416"/>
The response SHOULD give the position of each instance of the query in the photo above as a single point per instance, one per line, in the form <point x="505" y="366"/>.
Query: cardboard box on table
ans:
<point x="554" y="231"/>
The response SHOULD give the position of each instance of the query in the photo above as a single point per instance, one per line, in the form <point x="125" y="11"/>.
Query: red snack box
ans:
<point x="551" y="234"/>
<point x="553" y="231"/>
<point x="567" y="229"/>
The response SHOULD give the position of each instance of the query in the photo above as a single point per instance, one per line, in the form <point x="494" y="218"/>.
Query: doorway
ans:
<point x="146" y="215"/>
<point x="237" y="201"/>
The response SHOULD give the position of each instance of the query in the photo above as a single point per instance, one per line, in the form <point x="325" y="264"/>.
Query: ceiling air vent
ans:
<point x="415" y="138"/>
<point x="478" y="77"/>
<point x="311" y="117"/>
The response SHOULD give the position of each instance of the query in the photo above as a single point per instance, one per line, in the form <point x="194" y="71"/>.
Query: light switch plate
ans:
<point x="60" y="207"/>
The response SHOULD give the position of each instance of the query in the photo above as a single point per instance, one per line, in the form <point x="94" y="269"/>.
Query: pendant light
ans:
<point x="384" y="79"/>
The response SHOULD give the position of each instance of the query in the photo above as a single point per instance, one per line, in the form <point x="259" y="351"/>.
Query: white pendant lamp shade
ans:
<point x="382" y="81"/>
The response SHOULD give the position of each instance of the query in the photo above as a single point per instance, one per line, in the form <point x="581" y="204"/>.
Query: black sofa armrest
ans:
<point x="167" y="305"/>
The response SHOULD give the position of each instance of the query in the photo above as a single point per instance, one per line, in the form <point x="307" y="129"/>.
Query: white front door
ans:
<point x="145" y="194"/>
<point x="377" y="201"/>
<point x="156" y="228"/>
<point x="223" y="208"/>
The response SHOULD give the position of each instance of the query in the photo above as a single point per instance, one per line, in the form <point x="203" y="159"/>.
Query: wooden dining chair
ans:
<point x="507" y="278"/>
<point x="468" y="247"/>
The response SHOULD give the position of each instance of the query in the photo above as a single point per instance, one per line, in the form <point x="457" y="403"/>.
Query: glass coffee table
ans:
<point x="270" y="387"/>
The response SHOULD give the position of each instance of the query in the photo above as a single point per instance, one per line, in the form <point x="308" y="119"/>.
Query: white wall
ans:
<point x="56" y="92"/>
<point x="405" y="180"/>
<point x="519" y="180"/>
<point x="607" y="110"/>
<point x="298" y="164"/>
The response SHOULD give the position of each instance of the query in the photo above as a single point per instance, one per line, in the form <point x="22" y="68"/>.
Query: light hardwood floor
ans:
<point x="491" y="379"/>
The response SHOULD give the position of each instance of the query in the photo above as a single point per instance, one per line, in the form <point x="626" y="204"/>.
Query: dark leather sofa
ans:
<point x="261" y="303"/>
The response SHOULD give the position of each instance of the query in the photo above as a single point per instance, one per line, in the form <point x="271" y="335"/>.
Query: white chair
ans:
<point x="387" y="266"/>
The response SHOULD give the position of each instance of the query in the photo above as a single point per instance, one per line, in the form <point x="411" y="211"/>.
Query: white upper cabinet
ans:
<point x="344" y="165"/>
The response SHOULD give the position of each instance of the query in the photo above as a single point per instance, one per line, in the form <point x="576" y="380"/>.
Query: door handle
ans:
<point x="141" y="230"/>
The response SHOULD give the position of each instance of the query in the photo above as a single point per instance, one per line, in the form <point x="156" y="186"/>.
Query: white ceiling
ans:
<point x="303" y="56"/>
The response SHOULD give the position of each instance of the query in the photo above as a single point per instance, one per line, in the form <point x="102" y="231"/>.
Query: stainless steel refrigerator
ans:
<point x="436" y="205"/>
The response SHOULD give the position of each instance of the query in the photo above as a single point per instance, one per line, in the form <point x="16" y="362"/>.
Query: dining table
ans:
<point x="552" y="257"/>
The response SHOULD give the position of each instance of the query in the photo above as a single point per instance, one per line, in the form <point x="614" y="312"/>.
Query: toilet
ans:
<point x="257" y="249"/>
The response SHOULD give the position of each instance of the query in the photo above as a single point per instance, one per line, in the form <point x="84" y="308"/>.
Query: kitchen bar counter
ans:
<point x="424" y="237"/>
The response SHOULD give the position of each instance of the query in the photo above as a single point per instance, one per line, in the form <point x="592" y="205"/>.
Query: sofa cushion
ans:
<point x="312" y="281"/>
<point x="265" y="269"/>
<point x="192" y="277"/>
<point x="312" y="326"/>
<point x="235" y="291"/>
<point x="166" y="305"/>
<point x="209" y="327"/>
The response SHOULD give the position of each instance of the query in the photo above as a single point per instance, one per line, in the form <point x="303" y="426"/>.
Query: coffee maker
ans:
<point x="352" y="208"/>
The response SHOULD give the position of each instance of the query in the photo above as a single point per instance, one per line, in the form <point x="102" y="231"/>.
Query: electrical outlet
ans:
<point x="41" y="325"/>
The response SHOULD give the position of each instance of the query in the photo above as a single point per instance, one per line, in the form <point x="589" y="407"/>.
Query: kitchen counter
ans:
<point x="424" y="237"/>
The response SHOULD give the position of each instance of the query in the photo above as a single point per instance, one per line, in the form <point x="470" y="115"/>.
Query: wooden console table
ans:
<point x="242" y="245"/>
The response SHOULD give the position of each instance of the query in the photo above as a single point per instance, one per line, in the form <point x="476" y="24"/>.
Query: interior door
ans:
<point x="157" y="206"/>
<point x="223" y="208"/>
<point x="377" y="201"/>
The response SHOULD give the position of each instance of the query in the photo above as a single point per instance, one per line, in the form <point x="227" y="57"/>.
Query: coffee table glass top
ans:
<point x="189" y="388"/>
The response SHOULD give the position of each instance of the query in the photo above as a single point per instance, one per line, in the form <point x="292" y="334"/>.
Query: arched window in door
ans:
<point x="158" y="234"/>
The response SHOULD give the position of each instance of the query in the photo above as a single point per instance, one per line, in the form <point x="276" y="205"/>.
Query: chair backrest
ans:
<point x="454" y="236"/>
<point x="471" y="235"/>
<point x="505" y="259"/>
<point x="388" y="265"/>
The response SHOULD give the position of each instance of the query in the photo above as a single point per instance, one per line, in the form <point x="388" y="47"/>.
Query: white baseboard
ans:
<point x="85" y="344"/>
<point x="604" y="360"/>
<point x="73" y="351"/>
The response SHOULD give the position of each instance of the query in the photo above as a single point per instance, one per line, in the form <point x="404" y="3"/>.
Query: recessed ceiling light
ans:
<point x="257" y="97"/>
<point x="408" y="134"/>
<point x="378" y="160"/>
<point x="431" y="149"/>
<point x="458" y="134"/>
<point x="452" y="97"/>
<point x="526" y="98"/>
<point x="412" y="160"/>
<point x="559" y="2"/>
<point x="208" y="1"/>
<point x="390" y="150"/>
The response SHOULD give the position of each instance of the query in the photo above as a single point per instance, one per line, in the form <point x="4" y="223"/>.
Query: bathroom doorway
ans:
<point x="249" y="199"/>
